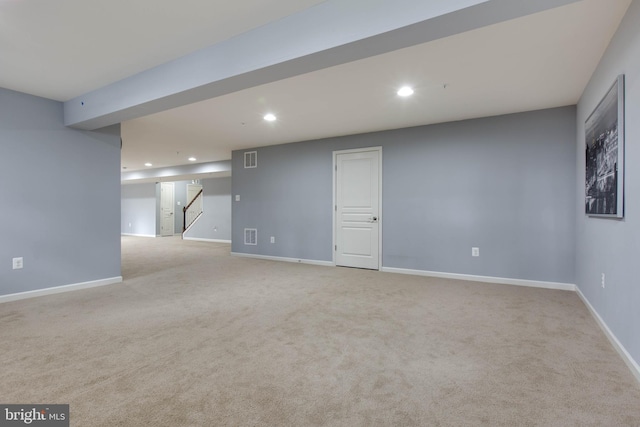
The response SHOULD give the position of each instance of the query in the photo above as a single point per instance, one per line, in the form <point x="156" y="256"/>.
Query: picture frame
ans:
<point x="604" y="155"/>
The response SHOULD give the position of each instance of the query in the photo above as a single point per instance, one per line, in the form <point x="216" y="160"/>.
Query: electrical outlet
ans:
<point x="475" y="251"/>
<point x="273" y="239"/>
<point x="603" y="282"/>
<point x="18" y="263"/>
<point x="237" y="197"/>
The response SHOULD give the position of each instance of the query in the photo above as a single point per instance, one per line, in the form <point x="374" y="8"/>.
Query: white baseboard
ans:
<point x="137" y="235"/>
<point x="486" y="279"/>
<point x="59" y="289"/>
<point x="197" y="239"/>
<point x="277" y="258"/>
<point x="628" y="360"/>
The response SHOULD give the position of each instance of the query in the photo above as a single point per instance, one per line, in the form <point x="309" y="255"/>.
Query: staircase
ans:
<point x="192" y="212"/>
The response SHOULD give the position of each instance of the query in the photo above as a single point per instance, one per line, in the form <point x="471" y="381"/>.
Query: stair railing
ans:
<point x="192" y="211"/>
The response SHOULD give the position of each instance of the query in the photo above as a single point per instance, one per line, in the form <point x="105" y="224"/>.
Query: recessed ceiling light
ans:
<point x="405" y="91"/>
<point x="270" y="117"/>
<point x="192" y="159"/>
<point x="148" y="164"/>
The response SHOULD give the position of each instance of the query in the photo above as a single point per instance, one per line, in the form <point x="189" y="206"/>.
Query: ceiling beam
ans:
<point x="331" y="33"/>
<point x="178" y="173"/>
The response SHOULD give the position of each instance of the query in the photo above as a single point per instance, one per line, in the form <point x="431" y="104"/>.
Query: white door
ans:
<point x="167" y="221"/>
<point x="357" y="208"/>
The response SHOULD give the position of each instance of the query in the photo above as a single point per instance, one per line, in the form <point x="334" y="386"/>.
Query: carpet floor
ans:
<point x="196" y="337"/>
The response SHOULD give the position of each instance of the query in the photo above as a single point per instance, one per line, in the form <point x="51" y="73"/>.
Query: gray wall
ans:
<point x="141" y="208"/>
<point x="505" y="184"/>
<point x="215" y="222"/>
<point x="605" y="245"/>
<point x="138" y="211"/>
<point x="61" y="196"/>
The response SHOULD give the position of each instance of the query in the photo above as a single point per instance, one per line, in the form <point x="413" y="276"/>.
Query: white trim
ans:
<point x="628" y="360"/>
<point x="60" y="289"/>
<point x="335" y="201"/>
<point x="197" y="239"/>
<point x="358" y="150"/>
<point x="486" y="279"/>
<point x="277" y="258"/>
<point x="138" y="235"/>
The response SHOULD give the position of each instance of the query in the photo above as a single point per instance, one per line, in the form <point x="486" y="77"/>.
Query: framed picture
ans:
<point x="604" y="138"/>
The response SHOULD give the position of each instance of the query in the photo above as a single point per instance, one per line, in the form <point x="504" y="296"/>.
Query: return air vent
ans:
<point x="250" y="236"/>
<point x="251" y="159"/>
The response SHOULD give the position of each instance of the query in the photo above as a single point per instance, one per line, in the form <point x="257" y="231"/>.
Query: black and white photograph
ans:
<point x="604" y="137"/>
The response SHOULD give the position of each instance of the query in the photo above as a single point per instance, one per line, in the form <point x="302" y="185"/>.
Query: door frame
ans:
<point x="335" y="201"/>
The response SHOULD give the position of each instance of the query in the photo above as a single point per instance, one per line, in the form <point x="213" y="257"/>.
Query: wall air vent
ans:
<point x="250" y="236"/>
<point x="251" y="159"/>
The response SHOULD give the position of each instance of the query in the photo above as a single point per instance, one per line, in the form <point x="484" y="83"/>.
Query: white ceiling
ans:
<point x="539" y="61"/>
<point x="61" y="49"/>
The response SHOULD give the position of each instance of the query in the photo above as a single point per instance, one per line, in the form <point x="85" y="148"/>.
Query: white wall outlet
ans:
<point x="475" y="251"/>
<point x="129" y="225"/>
<point x="602" y="281"/>
<point x="215" y="228"/>
<point x="273" y="239"/>
<point x="237" y="197"/>
<point x="18" y="263"/>
<point x="178" y="202"/>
